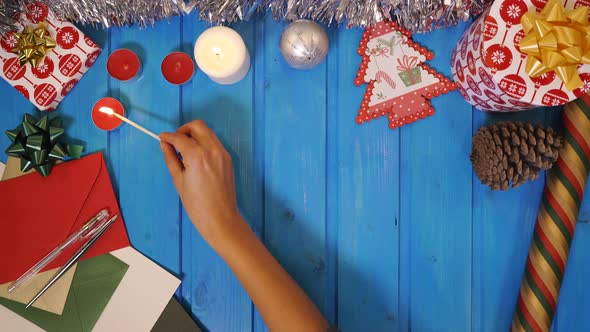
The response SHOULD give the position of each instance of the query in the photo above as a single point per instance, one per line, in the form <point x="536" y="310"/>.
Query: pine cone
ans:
<point x="510" y="153"/>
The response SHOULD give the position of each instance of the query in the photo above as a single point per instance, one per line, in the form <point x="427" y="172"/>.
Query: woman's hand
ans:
<point x="204" y="179"/>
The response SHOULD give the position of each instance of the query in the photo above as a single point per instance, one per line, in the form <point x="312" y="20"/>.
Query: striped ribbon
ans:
<point x="556" y="222"/>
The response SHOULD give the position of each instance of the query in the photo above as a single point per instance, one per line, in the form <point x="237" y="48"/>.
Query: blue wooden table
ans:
<point x="386" y="230"/>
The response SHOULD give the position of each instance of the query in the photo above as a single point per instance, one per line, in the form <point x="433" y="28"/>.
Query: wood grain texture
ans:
<point x="147" y="196"/>
<point x="386" y="230"/>
<point x="364" y="209"/>
<point x="12" y="108"/>
<point x="435" y="216"/>
<point x="295" y="166"/>
<point x="214" y="294"/>
<point x="503" y="225"/>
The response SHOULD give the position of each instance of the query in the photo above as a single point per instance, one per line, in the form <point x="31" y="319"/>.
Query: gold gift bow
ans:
<point x="33" y="44"/>
<point x="556" y="40"/>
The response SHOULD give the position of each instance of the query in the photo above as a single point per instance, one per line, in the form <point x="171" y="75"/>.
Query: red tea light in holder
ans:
<point x="104" y="121"/>
<point x="123" y="64"/>
<point x="108" y="114"/>
<point x="178" y="68"/>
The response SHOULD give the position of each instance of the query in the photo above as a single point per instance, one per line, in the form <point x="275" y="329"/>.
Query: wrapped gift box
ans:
<point x="409" y="71"/>
<point x="490" y="69"/>
<point x="47" y="84"/>
<point x="411" y="76"/>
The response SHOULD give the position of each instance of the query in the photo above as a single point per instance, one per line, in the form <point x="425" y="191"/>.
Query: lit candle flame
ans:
<point x="106" y="110"/>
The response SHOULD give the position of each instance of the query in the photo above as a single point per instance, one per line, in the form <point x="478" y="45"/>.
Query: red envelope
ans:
<point x="37" y="214"/>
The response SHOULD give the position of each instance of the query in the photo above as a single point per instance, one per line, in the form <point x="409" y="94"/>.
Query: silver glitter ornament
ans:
<point x="304" y="44"/>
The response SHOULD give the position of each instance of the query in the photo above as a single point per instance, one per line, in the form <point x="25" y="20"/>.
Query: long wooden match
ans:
<point x="110" y="111"/>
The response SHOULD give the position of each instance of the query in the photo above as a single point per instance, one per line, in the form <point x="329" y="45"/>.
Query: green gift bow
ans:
<point x="37" y="144"/>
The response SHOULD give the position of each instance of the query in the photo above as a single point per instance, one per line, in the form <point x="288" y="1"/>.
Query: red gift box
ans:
<point x="489" y="67"/>
<point x="47" y="84"/>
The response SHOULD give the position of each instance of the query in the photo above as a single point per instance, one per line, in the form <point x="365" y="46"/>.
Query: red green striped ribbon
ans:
<point x="556" y="222"/>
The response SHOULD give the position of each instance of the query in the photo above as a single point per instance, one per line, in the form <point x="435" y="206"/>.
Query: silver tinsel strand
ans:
<point x="414" y="15"/>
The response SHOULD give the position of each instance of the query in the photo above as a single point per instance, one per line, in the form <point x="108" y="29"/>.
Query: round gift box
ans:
<point x="489" y="68"/>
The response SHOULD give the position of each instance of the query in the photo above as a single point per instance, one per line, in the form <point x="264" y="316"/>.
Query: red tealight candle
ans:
<point x="105" y="121"/>
<point x="178" y="68"/>
<point x="123" y="64"/>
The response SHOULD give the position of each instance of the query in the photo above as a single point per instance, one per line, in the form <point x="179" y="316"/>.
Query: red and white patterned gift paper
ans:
<point x="47" y="85"/>
<point x="489" y="68"/>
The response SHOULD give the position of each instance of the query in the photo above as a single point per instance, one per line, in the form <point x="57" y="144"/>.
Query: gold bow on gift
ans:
<point x="557" y="40"/>
<point x="33" y="44"/>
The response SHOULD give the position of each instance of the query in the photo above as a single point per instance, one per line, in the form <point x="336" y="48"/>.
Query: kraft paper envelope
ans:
<point x="55" y="297"/>
<point x="94" y="283"/>
<point x="48" y="209"/>
<point x="136" y="305"/>
<point x="53" y="300"/>
<point x="12" y="169"/>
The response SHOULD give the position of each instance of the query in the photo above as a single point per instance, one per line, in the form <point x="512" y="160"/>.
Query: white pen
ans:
<point x="79" y="234"/>
<point x="96" y="233"/>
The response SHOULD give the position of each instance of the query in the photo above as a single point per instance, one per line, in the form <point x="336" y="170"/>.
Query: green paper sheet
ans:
<point x="93" y="286"/>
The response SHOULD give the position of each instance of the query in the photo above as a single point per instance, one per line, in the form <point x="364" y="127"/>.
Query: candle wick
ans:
<point x="106" y="110"/>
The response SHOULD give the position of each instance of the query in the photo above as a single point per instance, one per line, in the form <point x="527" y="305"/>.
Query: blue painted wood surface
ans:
<point x="386" y="230"/>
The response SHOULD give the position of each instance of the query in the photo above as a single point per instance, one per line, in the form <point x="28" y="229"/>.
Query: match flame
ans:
<point x="106" y="110"/>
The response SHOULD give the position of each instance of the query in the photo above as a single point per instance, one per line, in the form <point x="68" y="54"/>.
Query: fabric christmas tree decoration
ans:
<point x="400" y="85"/>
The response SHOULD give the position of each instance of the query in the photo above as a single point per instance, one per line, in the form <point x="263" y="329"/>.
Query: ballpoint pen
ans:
<point x="96" y="234"/>
<point x="83" y="232"/>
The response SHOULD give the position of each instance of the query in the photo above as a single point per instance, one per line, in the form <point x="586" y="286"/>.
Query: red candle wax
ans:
<point x="123" y="64"/>
<point x="105" y="121"/>
<point x="178" y="68"/>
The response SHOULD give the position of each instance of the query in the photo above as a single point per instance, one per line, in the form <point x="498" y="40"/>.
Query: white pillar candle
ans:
<point x="220" y="52"/>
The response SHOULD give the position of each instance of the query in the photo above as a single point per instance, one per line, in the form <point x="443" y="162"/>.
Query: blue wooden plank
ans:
<point x="503" y="222"/>
<point x="328" y="191"/>
<point x="258" y="69"/>
<point x="332" y="185"/>
<point x="147" y="196"/>
<point x="14" y="106"/>
<point x="435" y="216"/>
<point x="363" y="199"/>
<point x="215" y="295"/>
<point x="295" y="166"/>
<point x="77" y="106"/>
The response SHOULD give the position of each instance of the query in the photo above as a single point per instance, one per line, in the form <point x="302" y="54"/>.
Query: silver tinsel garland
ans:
<point x="414" y="15"/>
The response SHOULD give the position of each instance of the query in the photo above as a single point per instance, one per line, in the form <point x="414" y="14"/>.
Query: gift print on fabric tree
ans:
<point x="399" y="83"/>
